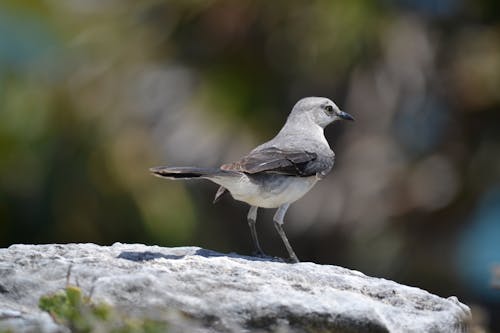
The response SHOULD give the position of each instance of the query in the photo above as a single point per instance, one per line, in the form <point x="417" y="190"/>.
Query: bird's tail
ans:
<point x="186" y="172"/>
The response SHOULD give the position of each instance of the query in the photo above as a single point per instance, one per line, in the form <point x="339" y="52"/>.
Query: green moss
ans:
<point x="80" y="314"/>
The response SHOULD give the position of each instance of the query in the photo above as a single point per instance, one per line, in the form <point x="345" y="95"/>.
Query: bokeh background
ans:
<point x="94" y="92"/>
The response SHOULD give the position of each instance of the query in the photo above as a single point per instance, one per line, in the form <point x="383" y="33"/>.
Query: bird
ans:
<point x="278" y="172"/>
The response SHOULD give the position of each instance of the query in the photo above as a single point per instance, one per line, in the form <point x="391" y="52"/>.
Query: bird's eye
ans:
<point x="329" y="108"/>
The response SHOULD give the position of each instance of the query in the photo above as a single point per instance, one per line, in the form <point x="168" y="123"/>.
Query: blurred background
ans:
<point x="94" y="92"/>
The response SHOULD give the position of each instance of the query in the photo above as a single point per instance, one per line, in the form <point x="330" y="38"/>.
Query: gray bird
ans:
<point x="278" y="172"/>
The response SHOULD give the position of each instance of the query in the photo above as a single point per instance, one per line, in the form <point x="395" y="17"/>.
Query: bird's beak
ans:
<point x="345" y="115"/>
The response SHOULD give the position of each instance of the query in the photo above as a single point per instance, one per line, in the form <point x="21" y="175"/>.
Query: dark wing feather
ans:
<point x="274" y="160"/>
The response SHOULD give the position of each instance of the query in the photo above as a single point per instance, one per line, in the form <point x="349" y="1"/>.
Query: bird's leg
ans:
<point x="278" y="223"/>
<point x="252" y="219"/>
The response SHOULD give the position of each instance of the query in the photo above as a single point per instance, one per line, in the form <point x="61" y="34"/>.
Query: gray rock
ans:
<point x="222" y="293"/>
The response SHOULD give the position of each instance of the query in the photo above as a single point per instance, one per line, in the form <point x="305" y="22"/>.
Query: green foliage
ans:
<point x="80" y="314"/>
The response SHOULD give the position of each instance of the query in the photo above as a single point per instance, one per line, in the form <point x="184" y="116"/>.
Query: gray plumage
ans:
<point x="278" y="172"/>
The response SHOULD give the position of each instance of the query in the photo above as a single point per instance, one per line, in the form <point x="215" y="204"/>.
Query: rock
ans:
<point x="215" y="292"/>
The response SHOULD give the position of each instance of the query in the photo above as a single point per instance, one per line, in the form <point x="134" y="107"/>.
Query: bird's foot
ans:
<point x="292" y="260"/>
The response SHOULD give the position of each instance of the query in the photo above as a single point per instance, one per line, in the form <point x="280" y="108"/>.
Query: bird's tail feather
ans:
<point x="187" y="172"/>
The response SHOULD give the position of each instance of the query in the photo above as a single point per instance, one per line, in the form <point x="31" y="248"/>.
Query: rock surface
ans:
<point x="224" y="293"/>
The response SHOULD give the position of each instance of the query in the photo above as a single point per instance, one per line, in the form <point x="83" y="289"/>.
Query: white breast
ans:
<point x="269" y="191"/>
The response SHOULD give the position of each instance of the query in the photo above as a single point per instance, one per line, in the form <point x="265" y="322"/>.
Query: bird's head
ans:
<point x="322" y="111"/>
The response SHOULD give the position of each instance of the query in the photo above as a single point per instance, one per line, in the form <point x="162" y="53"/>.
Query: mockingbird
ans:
<point x="278" y="172"/>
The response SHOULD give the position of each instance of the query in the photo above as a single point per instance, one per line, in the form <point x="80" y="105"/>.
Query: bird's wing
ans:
<point x="286" y="162"/>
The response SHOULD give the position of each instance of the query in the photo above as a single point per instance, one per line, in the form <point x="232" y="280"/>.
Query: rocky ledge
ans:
<point x="198" y="290"/>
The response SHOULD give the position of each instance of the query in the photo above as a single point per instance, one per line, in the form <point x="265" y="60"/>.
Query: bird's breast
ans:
<point x="270" y="190"/>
